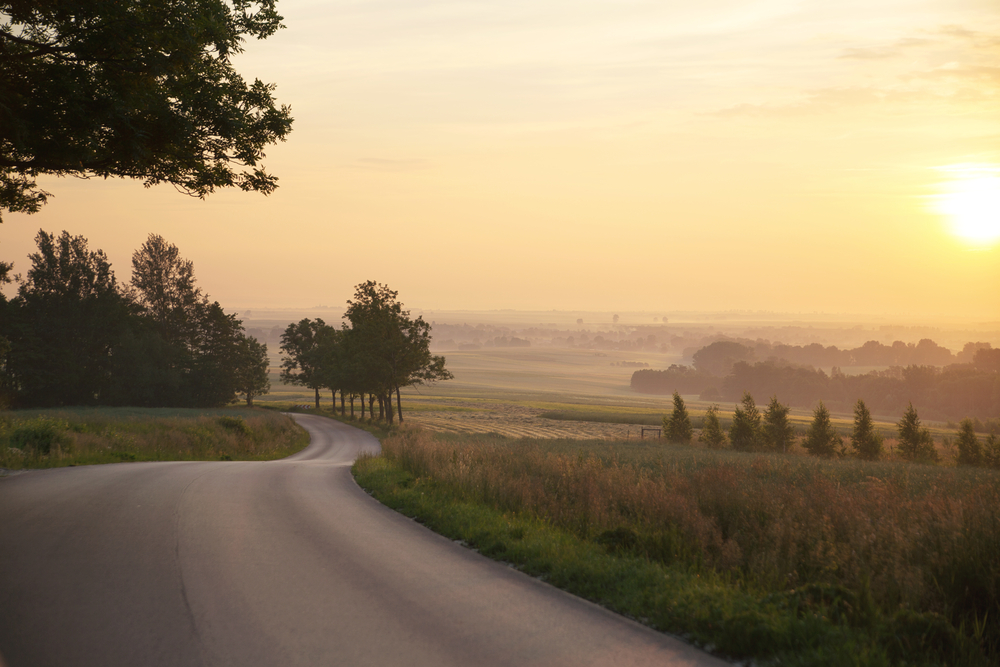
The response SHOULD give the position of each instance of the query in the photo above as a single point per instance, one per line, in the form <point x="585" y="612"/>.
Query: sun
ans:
<point x="970" y="200"/>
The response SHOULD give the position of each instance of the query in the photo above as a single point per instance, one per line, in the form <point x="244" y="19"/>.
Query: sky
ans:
<point x="781" y="155"/>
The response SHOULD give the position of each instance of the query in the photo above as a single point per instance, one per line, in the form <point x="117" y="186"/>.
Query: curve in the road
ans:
<point x="277" y="563"/>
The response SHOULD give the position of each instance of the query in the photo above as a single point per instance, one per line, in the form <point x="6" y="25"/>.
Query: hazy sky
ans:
<point x="632" y="155"/>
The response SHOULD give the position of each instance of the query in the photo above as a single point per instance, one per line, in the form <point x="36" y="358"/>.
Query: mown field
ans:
<point x="784" y="560"/>
<point x="84" y="436"/>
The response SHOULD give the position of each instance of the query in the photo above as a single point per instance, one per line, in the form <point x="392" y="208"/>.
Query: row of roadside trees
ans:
<point x="374" y="354"/>
<point x="772" y="431"/>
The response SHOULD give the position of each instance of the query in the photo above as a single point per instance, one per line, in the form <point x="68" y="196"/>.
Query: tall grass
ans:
<point x="82" y="436"/>
<point x="912" y="539"/>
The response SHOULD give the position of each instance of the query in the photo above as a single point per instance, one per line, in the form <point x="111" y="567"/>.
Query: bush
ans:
<point x="236" y="425"/>
<point x="40" y="434"/>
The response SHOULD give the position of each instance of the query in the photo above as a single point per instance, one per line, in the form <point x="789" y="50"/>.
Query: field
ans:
<point x="548" y="392"/>
<point x="790" y="560"/>
<point x="83" y="436"/>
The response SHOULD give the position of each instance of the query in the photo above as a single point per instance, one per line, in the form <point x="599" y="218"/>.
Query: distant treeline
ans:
<point x="873" y="353"/>
<point x="73" y="335"/>
<point x="954" y="392"/>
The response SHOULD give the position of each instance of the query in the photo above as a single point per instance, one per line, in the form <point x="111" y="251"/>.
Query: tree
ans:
<point x="67" y="317"/>
<point x="200" y="342"/>
<point x="140" y="89"/>
<point x="300" y="341"/>
<point x="711" y="430"/>
<point x="677" y="427"/>
<point x="778" y="433"/>
<point x="822" y="439"/>
<point x="251" y="368"/>
<point x="991" y="451"/>
<point x="719" y="357"/>
<point x="393" y="349"/>
<point x="915" y="442"/>
<point x="865" y="440"/>
<point x="970" y="451"/>
<point x="745" y="431"/>
<point x="163" y="284"/>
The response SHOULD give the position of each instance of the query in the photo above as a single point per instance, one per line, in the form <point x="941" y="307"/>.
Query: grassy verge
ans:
<point x="85" y="436"/>
<point x="751" y="557"/>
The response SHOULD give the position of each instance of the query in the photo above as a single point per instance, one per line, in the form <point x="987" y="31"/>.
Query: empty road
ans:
<point x="274" y="564"/>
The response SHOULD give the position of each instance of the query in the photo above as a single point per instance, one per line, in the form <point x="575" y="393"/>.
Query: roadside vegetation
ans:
<point x="83" y="436"/>
<point x="785" y="560"/>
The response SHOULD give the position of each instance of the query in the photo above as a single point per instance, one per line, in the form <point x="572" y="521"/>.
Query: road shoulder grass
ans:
<point x="814" y="625"/>
<point x="86" y="436"/>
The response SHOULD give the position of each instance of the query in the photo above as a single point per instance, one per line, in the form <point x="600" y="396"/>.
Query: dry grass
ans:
<point x="916" y="537"/>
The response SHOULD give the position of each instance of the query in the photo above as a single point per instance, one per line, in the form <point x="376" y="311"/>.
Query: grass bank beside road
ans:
<point x="783" y="561"/>
<point x="83" y="436"/>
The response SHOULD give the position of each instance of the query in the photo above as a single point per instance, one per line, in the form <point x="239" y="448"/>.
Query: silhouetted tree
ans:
<point x="141" y="89"/>
<point x="393" y="348"/>
<point x="66" y="318"/>
<point x="301" y="366"/>
<point x="865" y="440"/>
<point x="251" y="369"/>
<point x="677" y="427"/>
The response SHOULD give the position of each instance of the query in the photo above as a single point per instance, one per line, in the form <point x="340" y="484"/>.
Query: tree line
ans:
<point x="772" y="431"/>
<point x="379" y="350"/>
<point x="950" y="393"/>
<point x="74" y="335"/>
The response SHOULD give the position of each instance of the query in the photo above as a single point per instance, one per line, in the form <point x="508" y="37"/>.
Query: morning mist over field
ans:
<point x="630" y="156"/>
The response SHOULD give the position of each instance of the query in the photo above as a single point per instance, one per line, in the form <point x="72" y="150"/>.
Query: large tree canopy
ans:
<point x="133" y="88"/>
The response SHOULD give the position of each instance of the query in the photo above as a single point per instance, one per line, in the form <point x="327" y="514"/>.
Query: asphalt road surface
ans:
<point x="279" y="563"/>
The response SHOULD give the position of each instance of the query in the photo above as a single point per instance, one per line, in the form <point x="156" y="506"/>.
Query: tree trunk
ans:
<point x="381" y="407"/>
<point x="352" y="406"/>
<point x="342" y="404"/>
<point x="371" y="406"/>
<point x="333" y="401"/>
<point x="399" y="405"/>
<point x="317" y="397"/>
<point x="249" y="400"/>
<point x="362" y="406"/>
<point x="388" y="406"/>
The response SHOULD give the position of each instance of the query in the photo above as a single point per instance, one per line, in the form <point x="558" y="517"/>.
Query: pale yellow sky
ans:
<point x="728" y="154"/>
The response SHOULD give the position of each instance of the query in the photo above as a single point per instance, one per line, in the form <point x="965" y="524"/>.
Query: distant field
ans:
<point x="548" y="392"/>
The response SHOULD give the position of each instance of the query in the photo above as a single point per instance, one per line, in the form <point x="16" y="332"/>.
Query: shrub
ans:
<point x="40" y="434"/>
<point x="236" y="425"/>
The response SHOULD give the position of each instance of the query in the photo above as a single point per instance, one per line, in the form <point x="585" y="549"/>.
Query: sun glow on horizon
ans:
<point x="970" y="200"/>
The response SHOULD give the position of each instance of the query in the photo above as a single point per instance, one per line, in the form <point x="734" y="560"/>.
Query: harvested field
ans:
<point x="518" y="421"/>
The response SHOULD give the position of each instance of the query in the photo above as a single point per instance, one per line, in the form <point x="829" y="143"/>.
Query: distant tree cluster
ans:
<point x="74" y="336"/>
<point x="377" y="352"/>
<point x="953" y="392"/>
<point x="718" y="356"/>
